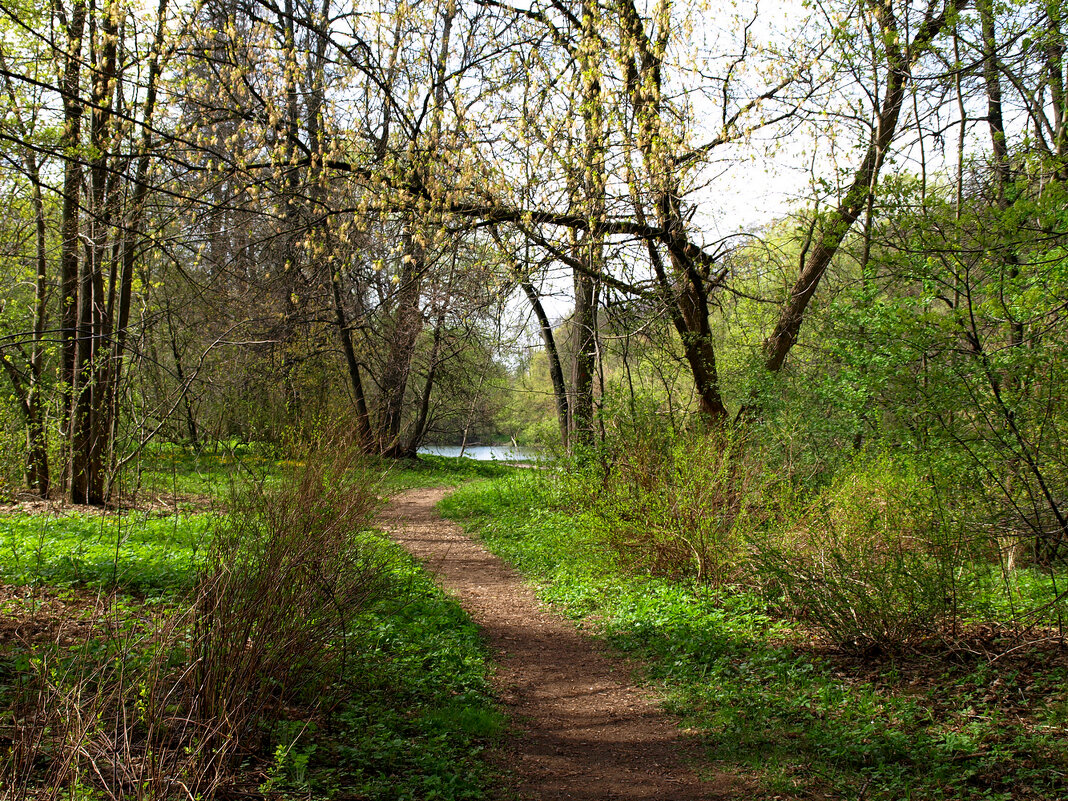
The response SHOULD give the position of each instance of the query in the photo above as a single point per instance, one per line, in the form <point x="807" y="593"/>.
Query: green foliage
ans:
<point x="12" y="448"/>
<point x="675" y="504"/>
<point x="529" y="418"/>
<point x="950" y="343"/>
<point x="132" y="551"/>
<point x="766" y="704"/>
<point x="189" y="475"/>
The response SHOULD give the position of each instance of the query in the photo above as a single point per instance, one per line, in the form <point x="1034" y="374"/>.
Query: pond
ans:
<point x="484" y="453"/>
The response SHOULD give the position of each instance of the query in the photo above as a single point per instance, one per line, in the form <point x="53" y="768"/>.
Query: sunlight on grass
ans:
<point x="133" y="551"/>
<point x="767" y="700"/>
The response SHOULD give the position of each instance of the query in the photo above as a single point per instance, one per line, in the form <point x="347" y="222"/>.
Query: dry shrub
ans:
<point x="291" y="564"/>
<point x="167" y="706"/>
<point x="105" y="713"/>
<point x="681" y="507"/>
<point x="868" y="561"/>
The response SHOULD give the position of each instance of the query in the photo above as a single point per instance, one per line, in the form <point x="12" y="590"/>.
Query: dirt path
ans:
<point x="585" y="732"/>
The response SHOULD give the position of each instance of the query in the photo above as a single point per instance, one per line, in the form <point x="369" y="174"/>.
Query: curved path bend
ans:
<point x="583" y="731"/>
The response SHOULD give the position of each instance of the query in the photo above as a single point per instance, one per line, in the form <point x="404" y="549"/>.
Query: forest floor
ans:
<point x="580" y="728"/>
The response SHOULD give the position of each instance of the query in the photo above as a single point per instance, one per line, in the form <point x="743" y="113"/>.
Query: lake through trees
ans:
<point x="484" y="453"/>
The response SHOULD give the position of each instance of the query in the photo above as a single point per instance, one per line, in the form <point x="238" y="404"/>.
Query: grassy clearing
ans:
<point x="773" y="702"/>
<point x="132" y="552"/>
<point x="177" y="477"/>
<point x="124" y="632"/>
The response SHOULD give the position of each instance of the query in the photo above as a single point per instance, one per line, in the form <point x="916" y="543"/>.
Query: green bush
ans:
<point x="675" y="504"/>
<point x="868" y="561"/>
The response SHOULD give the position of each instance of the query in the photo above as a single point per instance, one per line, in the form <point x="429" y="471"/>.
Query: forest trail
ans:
<point x="582" y="730"/>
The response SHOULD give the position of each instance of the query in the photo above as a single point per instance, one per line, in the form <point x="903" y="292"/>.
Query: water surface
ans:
<point x="483" y="453"/>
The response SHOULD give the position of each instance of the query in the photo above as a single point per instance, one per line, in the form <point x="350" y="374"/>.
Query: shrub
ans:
<point x="679" y="505"/>
<point x="868" y="561"/>
<point x="163" y="705"/>
<point x="291" y="564"/>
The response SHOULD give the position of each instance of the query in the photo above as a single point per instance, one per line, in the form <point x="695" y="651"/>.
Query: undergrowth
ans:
<point x="134" y="552"/>
<point x="421" y="712"/>
<point x="766" y="697"/>
<point x="276" y="648"/>
<point x="181" y="475"/>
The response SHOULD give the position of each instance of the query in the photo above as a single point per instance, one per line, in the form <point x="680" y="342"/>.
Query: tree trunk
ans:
<point x="406" y="325"/>
<point x="37" y="471"/>
<point x="583" y="360"/>
<point x="684" y="290"/>
<point x="419" y="429"/>
<point x="834" y="229"/>
<point x="586" y="284"/>
<point x="71" y="223"/>
<point x="90" y="427"/>
<point x="363" y="418"/>
<point x="556" y="370"/>
<point x="129" y="250"/>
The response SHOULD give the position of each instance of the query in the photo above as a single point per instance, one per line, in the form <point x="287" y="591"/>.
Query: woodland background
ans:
<point x="784" y="285"/>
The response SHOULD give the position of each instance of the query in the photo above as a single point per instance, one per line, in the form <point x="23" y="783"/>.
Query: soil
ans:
<point x="151" y="503"/>
<point x="582" y="730"/>
<point x="34" y="618"/>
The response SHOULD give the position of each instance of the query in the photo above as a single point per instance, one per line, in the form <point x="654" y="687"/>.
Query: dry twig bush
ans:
<point x="168" y="705"/>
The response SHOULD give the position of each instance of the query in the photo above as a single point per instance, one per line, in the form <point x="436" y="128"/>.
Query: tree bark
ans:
<point x="90" y="428"/>
<point x="684" y="290"/>
<point x="38" y="476"/>
<point x="71" y="222"/>
<point x="586" y="284"/>
<point x="406" y="324"/>
<point x="556" y="370"/>
<point x="419" y="429"/>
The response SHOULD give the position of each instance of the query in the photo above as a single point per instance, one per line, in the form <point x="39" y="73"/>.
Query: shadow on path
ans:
<point x="584" y="732"/>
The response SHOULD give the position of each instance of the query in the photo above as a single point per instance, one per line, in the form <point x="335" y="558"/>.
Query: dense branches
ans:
<point x="343" y="199"/>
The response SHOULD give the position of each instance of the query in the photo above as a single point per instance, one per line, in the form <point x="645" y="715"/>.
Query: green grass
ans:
<point x="438" y="471"/>
<point x="133" y="551"/>
<point x="769" y="705"/>
<point x="1001" y="597"/>
<point x="179" y="474"/>
<point x="422" y="713"/>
